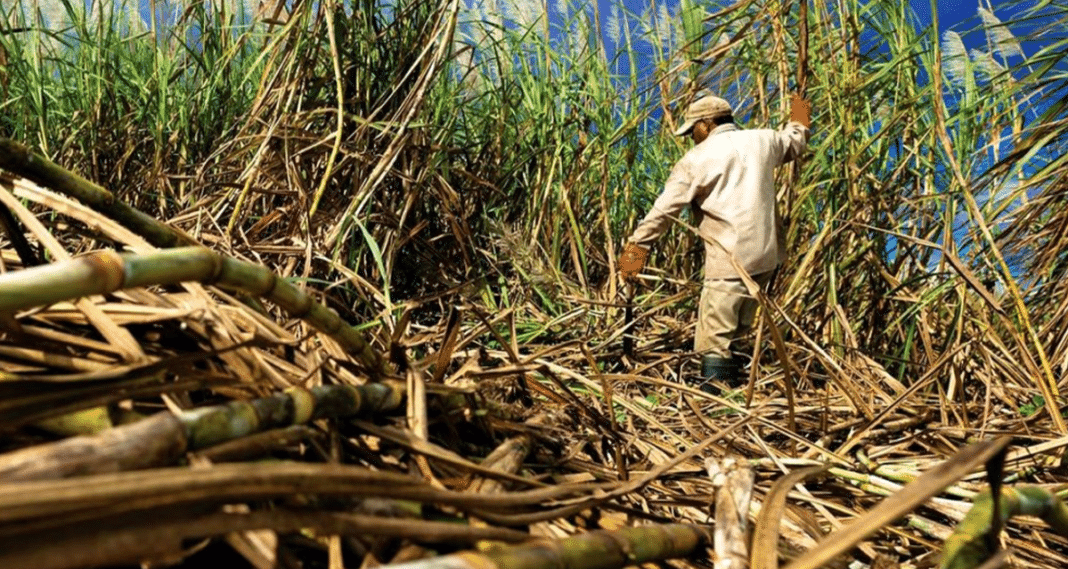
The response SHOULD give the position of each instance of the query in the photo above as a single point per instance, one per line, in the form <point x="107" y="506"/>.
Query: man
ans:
<point x="728" y="180"/>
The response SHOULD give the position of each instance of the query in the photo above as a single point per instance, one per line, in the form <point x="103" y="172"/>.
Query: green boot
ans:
<point x="718" y="368"/>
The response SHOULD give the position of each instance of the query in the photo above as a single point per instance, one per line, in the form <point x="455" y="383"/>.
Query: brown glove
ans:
<point x="800" y="110"/>
<point x="632" y="260"/>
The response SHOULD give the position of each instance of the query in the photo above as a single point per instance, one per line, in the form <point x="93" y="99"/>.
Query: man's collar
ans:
<point x="723" y="128"/>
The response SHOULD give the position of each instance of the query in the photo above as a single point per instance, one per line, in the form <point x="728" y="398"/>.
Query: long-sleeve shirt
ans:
<point x="728" y="180"/>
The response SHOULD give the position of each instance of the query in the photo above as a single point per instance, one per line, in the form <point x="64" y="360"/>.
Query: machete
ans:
<point x="802" y="52"/>
<point x="628" y="319"/>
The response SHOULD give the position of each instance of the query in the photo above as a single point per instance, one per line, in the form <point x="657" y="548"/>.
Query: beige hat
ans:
<point x="703" y="108"/>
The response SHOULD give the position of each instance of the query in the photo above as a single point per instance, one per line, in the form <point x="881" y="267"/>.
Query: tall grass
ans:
<point x="502" y="151"/>
<point x="137" y="105"/>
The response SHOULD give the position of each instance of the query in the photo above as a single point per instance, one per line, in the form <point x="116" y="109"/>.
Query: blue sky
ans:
<point x="949" y="11"/>
<point x="953" y="14"/>
<point x="961" y="16"/>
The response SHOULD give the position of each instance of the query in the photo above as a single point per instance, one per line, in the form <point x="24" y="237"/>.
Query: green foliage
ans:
<point x="125" y="100"/>
<point x="1032" y="407"/>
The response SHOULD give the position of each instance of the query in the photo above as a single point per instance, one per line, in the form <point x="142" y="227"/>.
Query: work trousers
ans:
<point x="725" y="314"/>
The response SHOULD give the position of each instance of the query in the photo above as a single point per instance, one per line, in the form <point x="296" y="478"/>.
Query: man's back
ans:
<point x="734" y="201"/>
<point x="728" y="179"/>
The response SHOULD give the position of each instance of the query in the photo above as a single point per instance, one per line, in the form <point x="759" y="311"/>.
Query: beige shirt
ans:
<point x="728" y="179"/>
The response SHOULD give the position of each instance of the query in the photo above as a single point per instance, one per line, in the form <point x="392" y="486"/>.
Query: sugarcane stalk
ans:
<point x="628" y="319"/>
<point x="160" y="537"/>
<point x="55" y="502"/>
<point x="766" y="528"/>
<point x="104" y="272"/>
<point x="971" y="543"/>
<point x="9" y="226"/>
<point x="904" y="501"/>
<point x="165" y="437"/>
<point x="802" y="50"/>
<point x="594" y="550"/>
<point x="733" y="480"/>
<point x="19" y="159"/>
<point x="508" y="457"/>
<point x="260" y="444"/>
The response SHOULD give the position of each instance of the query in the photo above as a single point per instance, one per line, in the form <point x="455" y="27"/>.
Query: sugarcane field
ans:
<point x="520" y="284"/>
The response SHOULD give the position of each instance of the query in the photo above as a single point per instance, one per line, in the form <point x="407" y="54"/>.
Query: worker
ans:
<point x="728" y="180"/>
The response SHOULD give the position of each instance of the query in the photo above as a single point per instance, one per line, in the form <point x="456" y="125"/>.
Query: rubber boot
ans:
<point x="718" y="368"/>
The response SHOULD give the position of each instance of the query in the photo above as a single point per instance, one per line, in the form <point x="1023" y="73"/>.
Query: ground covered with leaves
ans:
<point x="504" y="439"/>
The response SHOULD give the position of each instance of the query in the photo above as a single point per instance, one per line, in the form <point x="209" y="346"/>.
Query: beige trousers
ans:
<point x="725" y="314"/>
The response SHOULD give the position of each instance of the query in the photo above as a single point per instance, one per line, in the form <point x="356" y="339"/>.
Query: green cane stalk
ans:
<point x="104" y="272"/>
<point x="973" y="541"/>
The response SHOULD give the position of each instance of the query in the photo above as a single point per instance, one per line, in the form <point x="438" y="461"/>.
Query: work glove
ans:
<point x="632" y="260"/>
<point x="800" y="110"/>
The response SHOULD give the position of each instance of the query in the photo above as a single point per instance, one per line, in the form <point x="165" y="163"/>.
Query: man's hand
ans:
<point x="632" y="260"/>
<point x="800" y="110"/>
